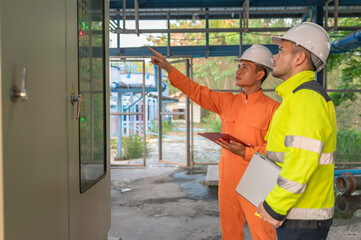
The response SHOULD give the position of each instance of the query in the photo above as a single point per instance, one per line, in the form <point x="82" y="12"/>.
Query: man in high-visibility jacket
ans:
<point x="302" y="138"/>
<point x="246" y="116"/>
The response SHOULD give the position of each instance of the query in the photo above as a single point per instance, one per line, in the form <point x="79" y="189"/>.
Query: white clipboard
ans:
<point x="259" y="179"/>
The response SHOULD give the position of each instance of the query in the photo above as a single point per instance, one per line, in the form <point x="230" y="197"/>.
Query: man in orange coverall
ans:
<point x="246" y="116"/>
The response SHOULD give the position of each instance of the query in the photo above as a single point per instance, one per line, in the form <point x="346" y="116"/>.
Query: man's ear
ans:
<point x="300" y="58"/>
<point x="260" y="75"/>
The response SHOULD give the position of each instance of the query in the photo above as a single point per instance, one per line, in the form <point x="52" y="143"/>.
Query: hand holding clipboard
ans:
<point x="224" y="140"/>
<point x="224" y="136"/>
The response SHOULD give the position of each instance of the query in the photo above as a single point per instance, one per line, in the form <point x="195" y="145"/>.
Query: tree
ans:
<point x="349" y="63"/>
<point x="344" y="71"/>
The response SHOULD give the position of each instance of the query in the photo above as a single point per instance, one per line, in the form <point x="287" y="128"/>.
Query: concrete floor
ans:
<point x="167" y="202"/>
<point x="163" y="203"/>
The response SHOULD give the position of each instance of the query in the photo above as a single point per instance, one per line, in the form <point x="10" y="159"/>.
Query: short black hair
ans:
<point x="297" y="48"/>
<point x="260" y="68"/>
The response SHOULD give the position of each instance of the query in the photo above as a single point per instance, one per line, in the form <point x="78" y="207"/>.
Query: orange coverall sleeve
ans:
<point x="202" y="95"/>
<point x="251" y="150"/>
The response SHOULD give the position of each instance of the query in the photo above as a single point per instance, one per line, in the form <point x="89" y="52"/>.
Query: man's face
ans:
<point x="246" y="75"/>
<point x="282" y="62"/>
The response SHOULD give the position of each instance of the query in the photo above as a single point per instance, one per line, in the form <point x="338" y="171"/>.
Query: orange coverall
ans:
<point x="246" y="118"/>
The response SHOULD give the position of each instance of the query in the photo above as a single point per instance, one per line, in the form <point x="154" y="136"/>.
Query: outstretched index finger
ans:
<point x="156" y="53"/>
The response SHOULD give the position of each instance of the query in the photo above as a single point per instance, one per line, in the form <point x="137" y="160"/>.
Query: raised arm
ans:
<point x="202" y="95"/>
<point x="159" y="60"/>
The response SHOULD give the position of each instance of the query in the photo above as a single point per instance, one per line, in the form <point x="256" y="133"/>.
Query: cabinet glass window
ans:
<point x="92" y="89"/>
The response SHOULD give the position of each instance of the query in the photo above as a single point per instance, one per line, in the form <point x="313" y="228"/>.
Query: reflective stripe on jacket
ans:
<point x="302" y="140"/>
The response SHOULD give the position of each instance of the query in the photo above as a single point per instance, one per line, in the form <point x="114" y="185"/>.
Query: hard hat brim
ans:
<point x="277" y="40"/>
<point x="261" y="65"/>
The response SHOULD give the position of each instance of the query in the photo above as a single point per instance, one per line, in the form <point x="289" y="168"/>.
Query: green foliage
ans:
<point x="215" y="72"/>
<point x="344" y="69"/>
<point x="113" y="143"/>
<point x="181" y="68"/>
<point x="350" y="76"/>
<point x="221" y="38"/>
<point x="340" y="97"/>
<point x="213" y="123"/>
<point x="348" y="145"/>
<point x="133" y="147"/>
<point x="166" y="126"/>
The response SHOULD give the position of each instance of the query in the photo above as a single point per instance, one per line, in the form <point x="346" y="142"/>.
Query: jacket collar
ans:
<point x="252" y="97"/>
<point x="285" y="88"/>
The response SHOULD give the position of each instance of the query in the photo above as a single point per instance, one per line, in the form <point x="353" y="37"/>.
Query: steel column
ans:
<point x="319" y="21"/>
<point x="187" y="118"/>
<point x="159" y="89"/>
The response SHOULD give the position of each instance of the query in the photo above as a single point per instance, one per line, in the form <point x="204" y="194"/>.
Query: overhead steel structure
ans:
<point x="318" y="11"/>
<point x="137" y="11"/>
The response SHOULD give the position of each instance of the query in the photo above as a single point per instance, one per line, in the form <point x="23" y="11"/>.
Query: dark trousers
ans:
<point x="285" y="233"/>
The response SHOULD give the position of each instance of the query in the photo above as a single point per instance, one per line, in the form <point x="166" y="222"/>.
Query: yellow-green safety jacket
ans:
<point x="302" y="140"/>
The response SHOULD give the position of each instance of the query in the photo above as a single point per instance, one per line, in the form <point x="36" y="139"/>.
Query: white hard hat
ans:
<point x="311" y="36"/>
<point x="259" y="55"/>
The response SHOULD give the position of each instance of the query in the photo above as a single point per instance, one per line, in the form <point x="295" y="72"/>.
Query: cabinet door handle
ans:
<point x="78" y="100"/>
<point x="15" y="92"/>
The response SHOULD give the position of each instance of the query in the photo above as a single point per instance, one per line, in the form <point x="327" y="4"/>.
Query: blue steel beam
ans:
<point x="194" y="51"/>
<point x="352" y="171"/>
<point x="117" y="4"/>
<point x="343" y="45"/>
<point x="132" y="90"/>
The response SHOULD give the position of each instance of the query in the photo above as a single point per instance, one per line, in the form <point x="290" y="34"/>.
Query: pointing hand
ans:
<point x="159" y="60"/>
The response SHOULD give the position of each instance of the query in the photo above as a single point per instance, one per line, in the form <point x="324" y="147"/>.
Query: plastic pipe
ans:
<point x="347" y="43"/>
<point x="352" y="171"/>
